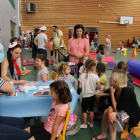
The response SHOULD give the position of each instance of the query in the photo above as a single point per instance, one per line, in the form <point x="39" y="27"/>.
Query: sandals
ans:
<point x="99" y="139"/>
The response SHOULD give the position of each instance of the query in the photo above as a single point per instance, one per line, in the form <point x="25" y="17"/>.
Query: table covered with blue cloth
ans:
<point x="29" y="105"/>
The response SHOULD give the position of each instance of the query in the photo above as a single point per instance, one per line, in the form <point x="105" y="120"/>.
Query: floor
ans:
<point x="84" y="134"/>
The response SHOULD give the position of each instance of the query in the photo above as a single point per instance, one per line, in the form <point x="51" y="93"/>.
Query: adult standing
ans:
<point x="96" y="41"/>
<point x="31" y="41"/>
<point x="78" y="46"/>
<point x="87" y="36"/>
<point x="58" y="37"/>
<point x="37" y="31"/>
<point x="11" y="127"/>
<point x="1" y="55"/>
<point x="42" y="41"/>
<point x="108" y="45"/>
<point x="10" y="68"/>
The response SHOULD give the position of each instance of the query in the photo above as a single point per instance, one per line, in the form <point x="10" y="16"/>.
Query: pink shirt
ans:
<point x="79" y="49"/>
<point x="56" y="110"/>
<point x="51" y="46"/>
<point x="107" y="42"/>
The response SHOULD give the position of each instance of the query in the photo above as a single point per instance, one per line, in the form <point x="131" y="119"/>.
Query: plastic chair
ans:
<point x="134" y="130"/>
<point x="62" y="136"/>
<point x="54" y="75"/>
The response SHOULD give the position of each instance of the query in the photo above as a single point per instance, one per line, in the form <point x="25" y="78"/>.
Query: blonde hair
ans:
<point x="86" y="55"/>
<point x="120" y="77"/>
<point x="62" y="67"/>
<point x="89" y="64"/>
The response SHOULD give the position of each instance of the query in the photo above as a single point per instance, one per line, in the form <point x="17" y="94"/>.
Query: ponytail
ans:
<point x="42" y="57"/>
<point x="61" y="68"/>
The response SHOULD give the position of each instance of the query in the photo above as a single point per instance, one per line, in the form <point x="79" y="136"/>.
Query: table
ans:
<point x="28" y="105"/>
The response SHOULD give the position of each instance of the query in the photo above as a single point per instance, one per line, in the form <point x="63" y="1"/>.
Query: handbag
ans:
<point x="122" y="115"/>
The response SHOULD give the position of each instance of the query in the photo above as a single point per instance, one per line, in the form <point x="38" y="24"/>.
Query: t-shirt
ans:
<point x="82" y="69"/>
<point x="56" y="40"/>
<point x="71" y="79"/>
<point x="2" y="82"/>
<point x="1" y="53"/>
<point x="56" y="110"/>
<point x="103" y="80"/>
<point x="41" y="72"/>
<point x="79" y="49"/>
<point x="96" y="39"/>
<point x="89" y="84"/>
<point x="51" y="46"/>
<point x="108" y="43"/>
<point x="92" y="43"/>
<point x="41" y="41"/>
<point x="87" y="36"/>
<point x="99" y="56"/>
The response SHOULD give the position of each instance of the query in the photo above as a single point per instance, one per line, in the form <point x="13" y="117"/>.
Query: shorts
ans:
<point x="39" y="132"/>
<point x="51" y="53"/>
<point x="88" y="103"/>
<point x="42" y="51"/>
<point x="34" y="54"/>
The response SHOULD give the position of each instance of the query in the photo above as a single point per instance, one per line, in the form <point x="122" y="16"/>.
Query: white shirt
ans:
<point x="87" y="36"/>
<point x="88" y="84"/>
<point x="41" y="41"/>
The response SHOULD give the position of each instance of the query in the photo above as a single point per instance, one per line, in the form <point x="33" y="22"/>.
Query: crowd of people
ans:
<point x="92" y="84"/>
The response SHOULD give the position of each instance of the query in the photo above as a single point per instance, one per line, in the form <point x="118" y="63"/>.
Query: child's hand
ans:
<point x="27" y="72"/>
<point x="1" y="94"/>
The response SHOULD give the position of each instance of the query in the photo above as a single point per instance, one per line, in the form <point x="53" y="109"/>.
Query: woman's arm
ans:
<point x="7" y="87"/>
<point x="114" y="103"/>
<point x="80" y="85"/>
<point x="5" y="66"/>
<point x="58" y="120"/>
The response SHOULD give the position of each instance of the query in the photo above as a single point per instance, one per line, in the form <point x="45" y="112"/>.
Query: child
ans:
<point x="100" y="69"/>
<point x="34" y="51"/>
<point x="53" y="126"/>
<point x="122" y="65"/>
<point x="51" y="48"/>
<point x="92" y="44"/>
<point x="82" y="69"/>
<point x="64" y="73"/>
<point x="42" y="62"/>
<point x="100" y="54"/>
<point x="88" y="82"/>
<point x="121" y="46"/>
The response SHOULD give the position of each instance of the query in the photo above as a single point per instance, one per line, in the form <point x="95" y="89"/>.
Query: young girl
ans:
<point x="121" y="46"/>
<point x="88" y="82"/>
<point x="42" y="62"/>
<point x="64" y="73"/>
<point x="51" y="48"/>
<point x="100" y="53"/>
<point x="92" y="44"/>
<point x="51" y="129"/>
<point x="82" y="69"/>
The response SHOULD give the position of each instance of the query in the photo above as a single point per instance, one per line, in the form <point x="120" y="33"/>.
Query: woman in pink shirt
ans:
<point x="53" y="126"/>
<point x="78" y="46"/>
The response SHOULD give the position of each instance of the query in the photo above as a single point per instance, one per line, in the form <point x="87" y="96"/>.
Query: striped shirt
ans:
<point x="2" y="82"/>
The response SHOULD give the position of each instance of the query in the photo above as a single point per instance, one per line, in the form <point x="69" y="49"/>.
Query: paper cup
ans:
<point x="26" y="89"/>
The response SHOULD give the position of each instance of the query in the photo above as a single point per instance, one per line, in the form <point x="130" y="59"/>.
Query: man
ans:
<point x="96" y="41"/>
<point x="57" y="41"/>
<point x="42" y="41"/>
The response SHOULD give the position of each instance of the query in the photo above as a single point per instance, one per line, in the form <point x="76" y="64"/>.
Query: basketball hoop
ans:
<point x="127" y="25"/>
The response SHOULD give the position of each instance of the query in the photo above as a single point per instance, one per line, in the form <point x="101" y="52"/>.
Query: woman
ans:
<point x="10" y="68"/>
<point x="78" y="46"/>
<point x="108" y="45"/>
<point x="10" y="127"/>
<point x="123" y="98"/>
<point x="1" y="55"/>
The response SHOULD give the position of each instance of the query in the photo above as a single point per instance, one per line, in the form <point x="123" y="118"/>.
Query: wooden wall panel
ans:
<point x="71" y="12"/>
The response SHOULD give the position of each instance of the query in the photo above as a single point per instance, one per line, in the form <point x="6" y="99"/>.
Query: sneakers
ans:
<point x="83" y="126"/>
<point x="91" y="125"/>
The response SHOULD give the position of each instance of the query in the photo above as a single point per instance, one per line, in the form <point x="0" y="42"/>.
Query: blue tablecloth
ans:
<point x="28" y="105"/>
